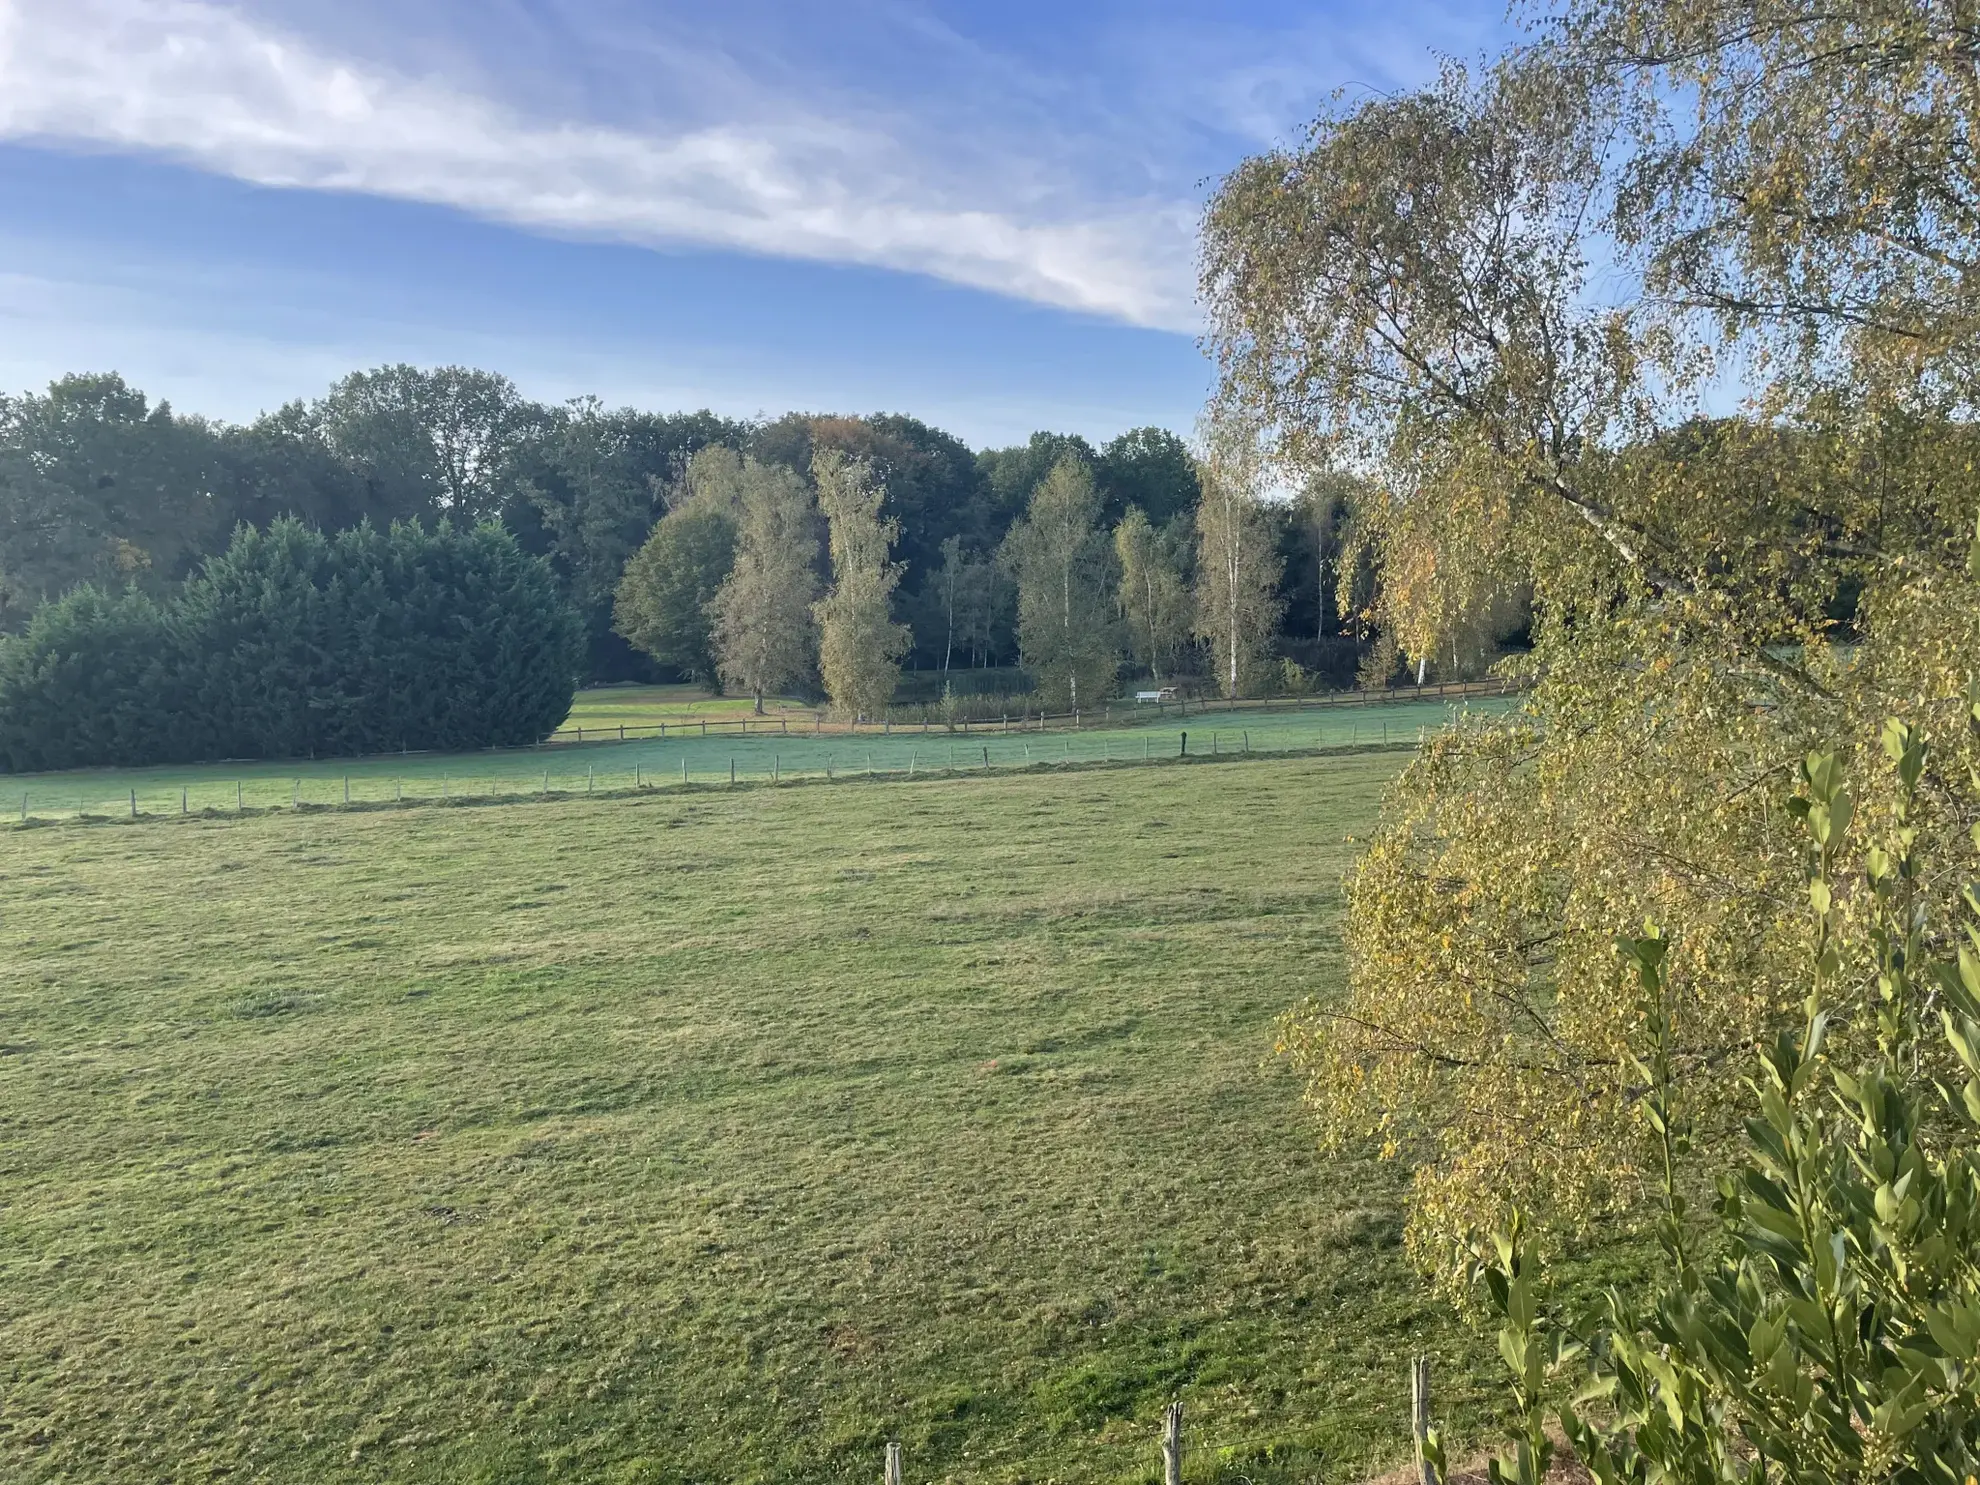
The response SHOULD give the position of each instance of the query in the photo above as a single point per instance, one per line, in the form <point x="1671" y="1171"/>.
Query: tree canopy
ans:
<point x="1497" y="302"/>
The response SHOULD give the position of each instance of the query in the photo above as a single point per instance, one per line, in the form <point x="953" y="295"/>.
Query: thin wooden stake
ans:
<point x="182" y="799"/>
<point x="1419" y="1418"/>
<point x="347" y="788"/>
<point x="239" y="807"/>
<point x="892" y="1472"/>
<point x="133" y="804"/>
<point x="1172" y="1443"/>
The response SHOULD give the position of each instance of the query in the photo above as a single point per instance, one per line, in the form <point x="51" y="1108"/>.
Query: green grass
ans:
<point x="644" y="706"/>
<point x="696" y="1136"/>
<point x="567" y="768"/>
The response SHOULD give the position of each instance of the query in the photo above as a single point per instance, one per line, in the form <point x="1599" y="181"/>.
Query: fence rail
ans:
<point x="815" y="724"/>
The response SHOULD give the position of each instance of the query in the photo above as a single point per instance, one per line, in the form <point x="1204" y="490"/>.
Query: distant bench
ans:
<point x="1167" y="693"/>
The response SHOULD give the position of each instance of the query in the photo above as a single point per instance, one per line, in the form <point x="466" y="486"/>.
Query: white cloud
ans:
<point x="206" y="85"/>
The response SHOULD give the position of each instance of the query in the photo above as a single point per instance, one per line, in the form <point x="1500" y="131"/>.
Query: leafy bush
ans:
<point x="1835" y="1334"/>
<point x="294" y="643"/>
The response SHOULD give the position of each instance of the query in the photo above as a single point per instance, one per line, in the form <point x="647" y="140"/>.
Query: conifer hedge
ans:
<point x="293" y="643"/>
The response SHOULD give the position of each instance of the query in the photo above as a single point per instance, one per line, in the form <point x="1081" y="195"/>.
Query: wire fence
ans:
<point x="643" y="765"/>
<point x="1110" y="714"/>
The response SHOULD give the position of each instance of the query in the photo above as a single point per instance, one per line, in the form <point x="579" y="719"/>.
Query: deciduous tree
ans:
<point x="1060" y="560"/>
<point x="1154" y="596"/>
<point x="763" y="631"/>
<point x="1237" y="564"/>
<point x="859" y="644"/>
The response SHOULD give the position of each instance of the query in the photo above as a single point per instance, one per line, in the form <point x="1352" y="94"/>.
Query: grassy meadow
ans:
<point x="695" y="1136"/>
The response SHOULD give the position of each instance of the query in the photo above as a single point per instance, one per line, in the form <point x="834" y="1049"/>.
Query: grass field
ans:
<point x="653" y="762"/>
<point x="696" y="1136"/>
<point x="643" y="706"/>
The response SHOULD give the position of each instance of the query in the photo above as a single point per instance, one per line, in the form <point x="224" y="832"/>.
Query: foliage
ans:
<point x="1154" y="596"/>
<point x="1834" y="1334"/>
<point x="97" y="485"/>
<point x="1409" y="296"/>
<point x="1060" y="560"/>
<point x="662" y="602"/>
<point x="88" y="684"/>
<point x="762" y="619"/>
<point x="859" y="644"/>
<point x="444" y="440"/>
<point x="1803" y="174"/>
<point x="292" y="643"/>
<point x="1150" y="468"/>
<point x="1237" y="569"/>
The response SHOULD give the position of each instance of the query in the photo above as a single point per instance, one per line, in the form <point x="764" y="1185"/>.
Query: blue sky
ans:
<point x="981" y="214"/>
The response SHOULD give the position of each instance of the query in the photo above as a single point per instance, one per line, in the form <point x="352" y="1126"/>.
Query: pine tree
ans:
<point x="860" y="647"/>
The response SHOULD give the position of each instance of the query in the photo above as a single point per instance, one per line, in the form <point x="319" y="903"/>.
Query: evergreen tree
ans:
<point x="292" y="643"/>
<point x="87" y="684"/>
<point x="860" y="647"/>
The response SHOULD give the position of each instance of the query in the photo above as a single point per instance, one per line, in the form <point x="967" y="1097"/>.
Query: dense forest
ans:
<point x="100" y="485"/>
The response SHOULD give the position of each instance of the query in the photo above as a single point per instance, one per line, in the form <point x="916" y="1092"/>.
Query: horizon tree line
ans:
<point x="99" y="484"/>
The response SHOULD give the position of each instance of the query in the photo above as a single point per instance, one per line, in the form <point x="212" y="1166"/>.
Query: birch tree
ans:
<point x="1060" y="560"/>
<point x="763" y="633"/>
<point x="1238" y="563"/>
<point x="860" y="647"/>
<point x="1154" y="597"/>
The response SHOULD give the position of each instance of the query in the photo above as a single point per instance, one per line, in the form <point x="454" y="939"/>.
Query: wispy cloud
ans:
<point x="209" y="86"/>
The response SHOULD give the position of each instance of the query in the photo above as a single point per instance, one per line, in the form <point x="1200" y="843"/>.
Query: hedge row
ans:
<point x="294" y="644"/>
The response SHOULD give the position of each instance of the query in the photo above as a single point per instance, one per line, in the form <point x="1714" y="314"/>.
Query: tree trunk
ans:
<point x="759" y="703"/>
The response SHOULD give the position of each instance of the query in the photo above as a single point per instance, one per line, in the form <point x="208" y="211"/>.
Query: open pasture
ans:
<point x="697" y="1136"/>
<point x="611" y="766"/>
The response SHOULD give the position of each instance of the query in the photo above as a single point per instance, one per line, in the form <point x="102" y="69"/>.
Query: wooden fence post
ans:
<point x="1172" y="1445"/>
<point x="892" y="1474"/>
<point x="1419" y="1419"/>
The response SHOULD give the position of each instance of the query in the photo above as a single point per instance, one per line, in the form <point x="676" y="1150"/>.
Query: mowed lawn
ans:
<point x="696" y="1136"/>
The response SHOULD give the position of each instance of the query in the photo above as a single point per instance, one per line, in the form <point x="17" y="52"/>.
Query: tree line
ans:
<point x="727" y="588"/>
<point x="98" y="484"/>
